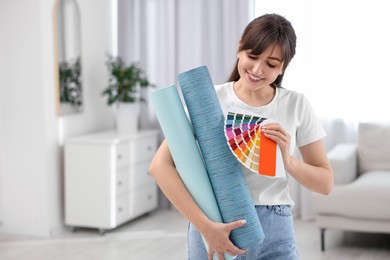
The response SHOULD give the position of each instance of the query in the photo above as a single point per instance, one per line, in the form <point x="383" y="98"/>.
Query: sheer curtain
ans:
<point x="172" y="36"/>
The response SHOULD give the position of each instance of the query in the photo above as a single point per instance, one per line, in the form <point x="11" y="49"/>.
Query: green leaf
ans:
<point x="123" y="81"/>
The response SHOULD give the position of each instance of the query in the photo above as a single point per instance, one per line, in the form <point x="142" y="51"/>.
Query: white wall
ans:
<point x="1" y="152"/>
<point x="31" y="174"/>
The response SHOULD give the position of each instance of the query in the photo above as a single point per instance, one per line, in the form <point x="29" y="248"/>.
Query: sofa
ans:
<point x="360" y="200"/>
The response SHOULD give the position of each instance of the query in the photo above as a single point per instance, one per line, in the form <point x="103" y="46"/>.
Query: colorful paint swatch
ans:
<point x="251" y="147"/>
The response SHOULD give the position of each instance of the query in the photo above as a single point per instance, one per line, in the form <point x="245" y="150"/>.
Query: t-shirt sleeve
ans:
<point x="310" y="128"/>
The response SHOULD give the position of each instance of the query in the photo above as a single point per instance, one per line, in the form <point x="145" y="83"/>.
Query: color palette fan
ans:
<point x="251" y="147"/>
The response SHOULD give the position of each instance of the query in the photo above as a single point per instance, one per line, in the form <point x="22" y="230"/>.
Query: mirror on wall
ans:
<point x="68" y="28"/>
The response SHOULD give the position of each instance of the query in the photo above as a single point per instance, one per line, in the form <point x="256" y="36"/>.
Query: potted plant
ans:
<point x="70" y="84"/>
<point x="124" y="91"/>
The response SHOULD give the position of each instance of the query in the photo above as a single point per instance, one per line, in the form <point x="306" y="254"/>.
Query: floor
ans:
<point x="162" y="235"/>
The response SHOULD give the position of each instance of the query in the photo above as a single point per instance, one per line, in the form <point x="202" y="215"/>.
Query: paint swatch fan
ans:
<point x="251" y="147"/>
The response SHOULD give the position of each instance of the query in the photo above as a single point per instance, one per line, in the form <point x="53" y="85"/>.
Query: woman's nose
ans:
<point x="257" y="68"/>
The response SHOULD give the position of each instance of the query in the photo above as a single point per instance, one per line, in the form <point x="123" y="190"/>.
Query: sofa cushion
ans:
<point x="373" y="147"/>
<point x="367" y="197"/>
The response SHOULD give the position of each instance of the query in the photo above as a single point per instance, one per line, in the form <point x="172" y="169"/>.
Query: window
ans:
<point x="342" y="56"/>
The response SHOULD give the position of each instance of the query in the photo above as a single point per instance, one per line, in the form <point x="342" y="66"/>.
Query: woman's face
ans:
<point x="257" y="71"/>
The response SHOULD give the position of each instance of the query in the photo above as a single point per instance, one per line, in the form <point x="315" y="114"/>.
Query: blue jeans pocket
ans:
<point x="281" y="210"/>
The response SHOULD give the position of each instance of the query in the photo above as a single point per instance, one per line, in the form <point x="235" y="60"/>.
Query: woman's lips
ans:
<point x="253" y="78"/>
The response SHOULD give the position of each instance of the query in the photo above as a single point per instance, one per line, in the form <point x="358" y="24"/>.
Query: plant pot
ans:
<point x="68" y="108"/>
<point x="127" y="117"/>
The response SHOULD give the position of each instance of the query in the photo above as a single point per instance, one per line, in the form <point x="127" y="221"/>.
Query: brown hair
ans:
<point x="264" y="31"/>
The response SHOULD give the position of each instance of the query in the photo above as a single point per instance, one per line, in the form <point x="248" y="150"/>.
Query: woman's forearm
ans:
<point x="164" y="172"/>
<point x="315" y="178"/>
<point x="170" y="183"/>
<point x="314" y="172"/>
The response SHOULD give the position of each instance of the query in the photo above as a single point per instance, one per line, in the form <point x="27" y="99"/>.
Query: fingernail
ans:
<point x="243" y="221"/>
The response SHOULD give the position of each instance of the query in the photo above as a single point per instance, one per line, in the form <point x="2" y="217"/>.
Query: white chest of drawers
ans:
<point x="107" y="181"/>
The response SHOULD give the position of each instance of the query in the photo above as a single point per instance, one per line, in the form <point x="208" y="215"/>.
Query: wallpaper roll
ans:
<point x="227" y="179"/>
<point x="185" y="152"/>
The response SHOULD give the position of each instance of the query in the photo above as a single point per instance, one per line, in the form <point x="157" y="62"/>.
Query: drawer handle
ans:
<point x="120" y="209"/>
<point x="150" y="197"/>
<point x="120" y="183"/>
<point x="119" y="156"/>
<point x="149" y="148"/>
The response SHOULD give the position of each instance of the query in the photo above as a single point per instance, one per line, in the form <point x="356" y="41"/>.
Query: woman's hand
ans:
<point x="314" y="172"/>
<point x="217" y="237"/>
<point x="276" y="132"/>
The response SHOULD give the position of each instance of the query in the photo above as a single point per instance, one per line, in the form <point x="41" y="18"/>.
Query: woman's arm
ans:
<point x="164" y="172"/>
<point x="314" y="172"/>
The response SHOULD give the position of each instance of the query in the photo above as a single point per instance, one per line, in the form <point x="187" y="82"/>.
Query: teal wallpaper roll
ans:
<point x="226" y="177"/>
<point x="184" y="150"/>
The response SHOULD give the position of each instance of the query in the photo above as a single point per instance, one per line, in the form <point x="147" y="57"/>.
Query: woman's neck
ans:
<point x="254" y="97"/>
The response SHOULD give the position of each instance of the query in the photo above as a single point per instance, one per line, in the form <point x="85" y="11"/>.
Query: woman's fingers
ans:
<point x="219" y="242"/>
<point x="275" y="132"/>
<point x="235" y="224"/>
<point x="232" y="249"/>
<point x="221" y="256"/>
<point x="210" y="255"/>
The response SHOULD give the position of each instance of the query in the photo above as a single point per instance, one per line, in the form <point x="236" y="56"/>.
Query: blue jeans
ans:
<point x="279" y="242"/>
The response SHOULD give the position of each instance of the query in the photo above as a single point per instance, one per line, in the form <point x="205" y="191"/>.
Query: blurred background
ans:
<point x="340" y="65"/>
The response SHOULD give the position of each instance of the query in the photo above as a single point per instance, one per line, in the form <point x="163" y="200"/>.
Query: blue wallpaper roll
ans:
<point x="185" y="152"/>
<point x="227" y="179"/>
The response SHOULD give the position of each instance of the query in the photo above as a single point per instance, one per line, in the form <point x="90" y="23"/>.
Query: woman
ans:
<point x="264" y="51"/>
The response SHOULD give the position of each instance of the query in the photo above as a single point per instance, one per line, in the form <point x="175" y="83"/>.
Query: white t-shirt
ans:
<point x="295" y="114"/>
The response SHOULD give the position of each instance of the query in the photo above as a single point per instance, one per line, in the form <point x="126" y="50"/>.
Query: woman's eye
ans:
<point x="271" y="65"/>
<point x="253" y="57"/>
